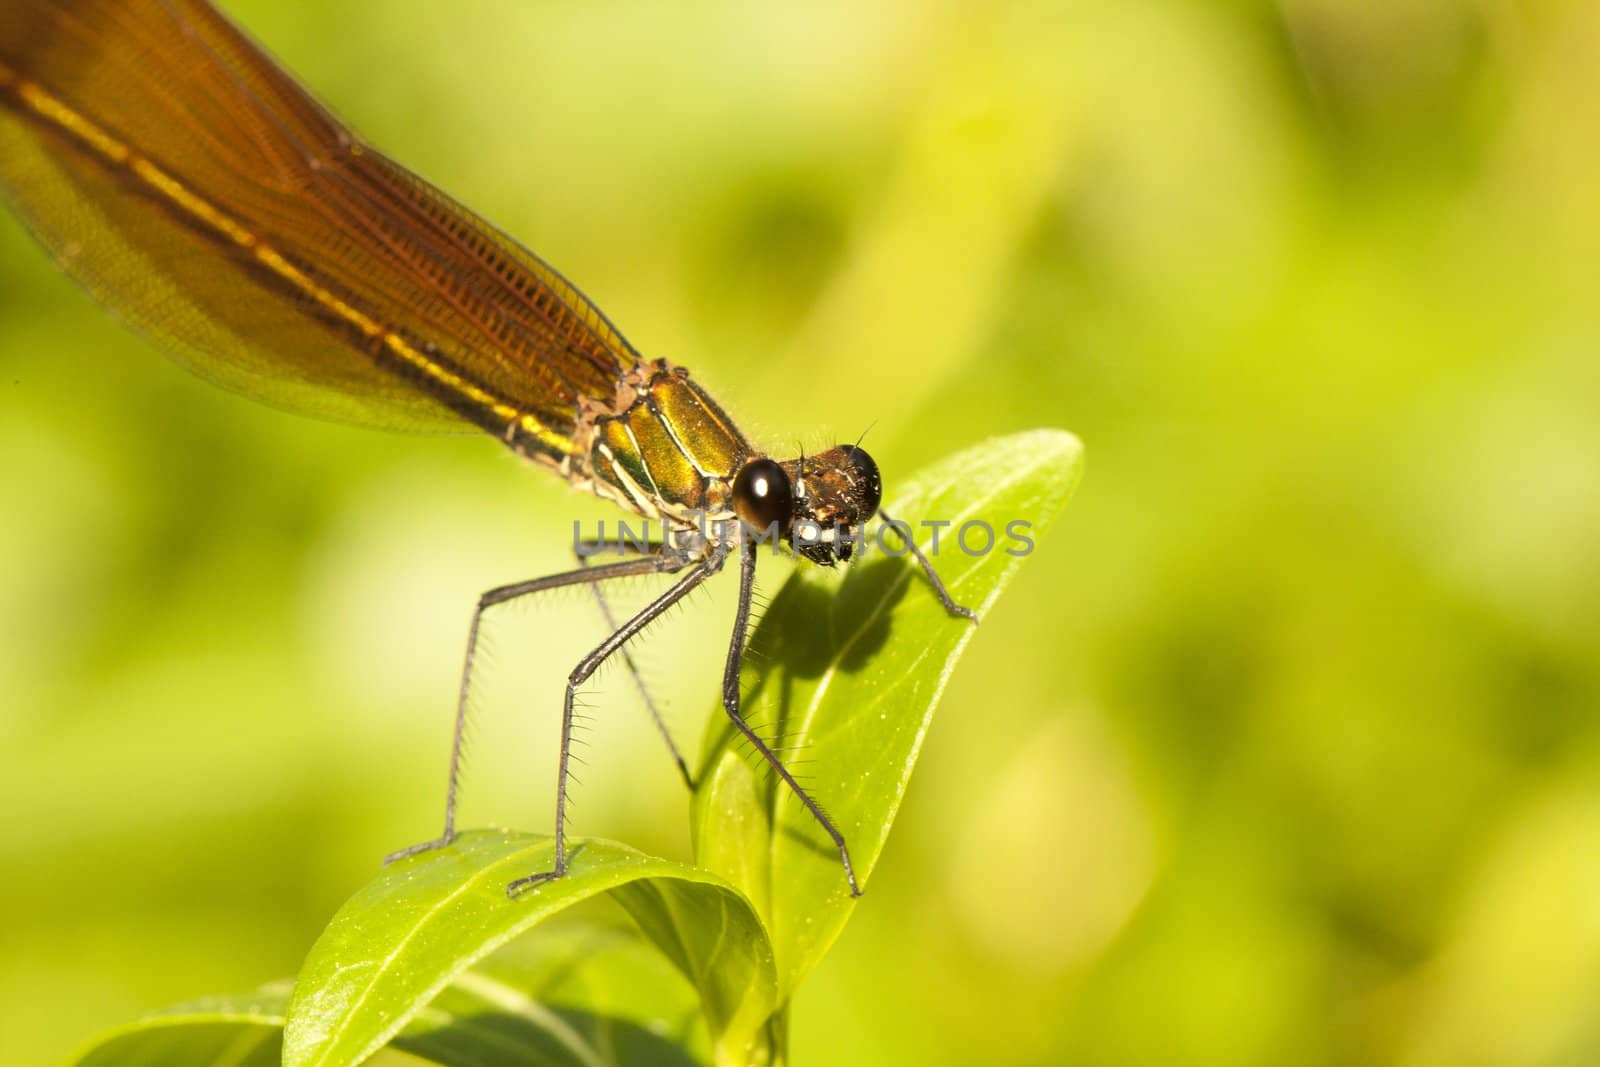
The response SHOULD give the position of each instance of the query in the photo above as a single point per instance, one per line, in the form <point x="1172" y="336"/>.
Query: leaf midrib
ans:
<point x="782" y="797"/>
<point x="423" y="920"/>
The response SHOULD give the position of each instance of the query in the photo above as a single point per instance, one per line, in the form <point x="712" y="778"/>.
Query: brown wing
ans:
<point x="195" y="189"/>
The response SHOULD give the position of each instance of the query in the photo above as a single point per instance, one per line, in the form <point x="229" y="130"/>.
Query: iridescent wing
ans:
<point x="191" y="186"/>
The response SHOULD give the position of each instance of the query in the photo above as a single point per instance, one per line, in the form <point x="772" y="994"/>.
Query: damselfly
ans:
<point x="191" y="185"/>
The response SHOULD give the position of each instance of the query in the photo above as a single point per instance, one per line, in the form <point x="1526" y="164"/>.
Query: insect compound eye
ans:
<point x="763" y="497"/>
<point x="867" y="482"/>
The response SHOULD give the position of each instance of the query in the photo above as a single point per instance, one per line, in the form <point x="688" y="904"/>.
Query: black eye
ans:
<point x="867" y="482"/>
<point x="762" y="496"/>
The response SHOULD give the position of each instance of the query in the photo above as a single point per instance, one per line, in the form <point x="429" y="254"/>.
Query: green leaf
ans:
<point x="568" y="996"/>
<point x="244" y="1031"/>
<point x="403" y="939"/>
<point x="850" y="672"/>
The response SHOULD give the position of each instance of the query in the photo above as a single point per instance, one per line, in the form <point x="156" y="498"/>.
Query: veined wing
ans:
<point x="192" y="186"/>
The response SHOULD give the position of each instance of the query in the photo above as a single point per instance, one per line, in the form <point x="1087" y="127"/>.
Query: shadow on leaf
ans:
<point x="549" y="1037"/>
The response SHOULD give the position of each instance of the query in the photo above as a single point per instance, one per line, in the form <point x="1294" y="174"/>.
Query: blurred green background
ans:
<point x="1285" y="747"/>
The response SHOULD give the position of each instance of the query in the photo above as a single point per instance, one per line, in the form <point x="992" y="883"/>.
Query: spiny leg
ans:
<point x="499" y="595"/>
<point x="933" y="576"/>
<point x="585" y="549"/>
<point x="580" y="674"/>
<point x="730" y="704"/>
